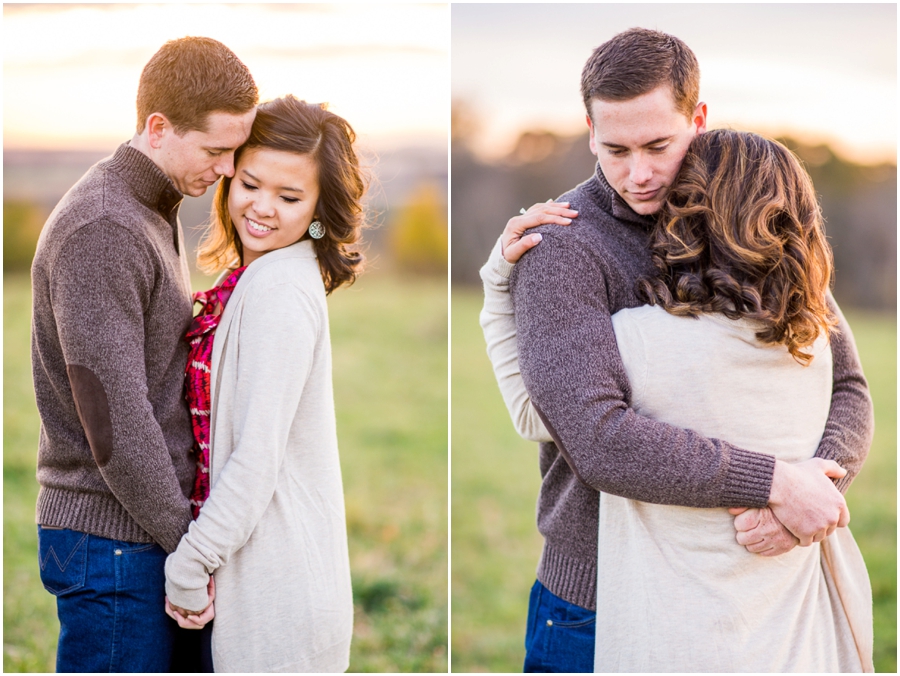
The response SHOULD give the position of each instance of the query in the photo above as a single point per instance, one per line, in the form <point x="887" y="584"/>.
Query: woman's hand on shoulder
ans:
<point x="514" y="242"/>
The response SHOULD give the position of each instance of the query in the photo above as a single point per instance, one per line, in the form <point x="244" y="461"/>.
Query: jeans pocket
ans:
<point x="62" y="555"/>
<point x="571" y="645"/>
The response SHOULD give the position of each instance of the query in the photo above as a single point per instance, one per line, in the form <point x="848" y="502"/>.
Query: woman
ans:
<point x="272" y="528"/>
<point x="733" y="344"/>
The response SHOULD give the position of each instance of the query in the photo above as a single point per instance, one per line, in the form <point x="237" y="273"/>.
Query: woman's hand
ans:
<point x="193" y="619"/>
<point x="513" y="241"/>
<point x="760" y="531"/>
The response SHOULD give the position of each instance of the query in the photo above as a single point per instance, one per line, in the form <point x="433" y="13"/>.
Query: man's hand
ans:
<point x="513" y="241"/>
<point x="805" y="500"/>
<point x="760" y="531"/>
<point x="191" y="619"/>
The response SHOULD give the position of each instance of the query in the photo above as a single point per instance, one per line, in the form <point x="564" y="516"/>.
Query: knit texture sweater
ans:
<point x="564" y="292"/>
<point x="111" y="304"/>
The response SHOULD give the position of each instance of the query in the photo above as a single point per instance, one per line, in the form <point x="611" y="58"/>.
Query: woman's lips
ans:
<point x="257" y="229"/>
<point x="645" y="196"/>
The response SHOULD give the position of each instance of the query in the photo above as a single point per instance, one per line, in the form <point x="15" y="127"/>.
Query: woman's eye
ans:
<point x="290" y="200"/>
<point x="248" y="186"/>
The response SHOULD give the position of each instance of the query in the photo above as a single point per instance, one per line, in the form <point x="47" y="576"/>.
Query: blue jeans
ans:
<point x="110" y="602"/>
<point x="560" y="635"/>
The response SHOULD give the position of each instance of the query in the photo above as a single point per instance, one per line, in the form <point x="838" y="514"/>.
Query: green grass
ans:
<point x="389" y="338"/>
<point x="495" y="481"/>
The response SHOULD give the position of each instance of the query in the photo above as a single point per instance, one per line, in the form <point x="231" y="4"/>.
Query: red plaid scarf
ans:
<point x="196" y="377"/>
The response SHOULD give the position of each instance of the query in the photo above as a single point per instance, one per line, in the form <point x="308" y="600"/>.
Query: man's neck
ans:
<point x="140" y="142"/>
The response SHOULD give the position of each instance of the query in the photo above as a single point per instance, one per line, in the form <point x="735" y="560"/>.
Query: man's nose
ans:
<point x="641" y="169"/>
<point x="225" y="165"/>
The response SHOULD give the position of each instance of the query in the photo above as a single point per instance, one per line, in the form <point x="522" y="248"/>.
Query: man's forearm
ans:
<point x="851" y="423"/>
<point x="571" y="366"/>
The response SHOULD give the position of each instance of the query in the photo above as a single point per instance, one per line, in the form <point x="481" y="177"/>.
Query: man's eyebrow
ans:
<point x="649" y="143"/>
<point x="284" y="187"/>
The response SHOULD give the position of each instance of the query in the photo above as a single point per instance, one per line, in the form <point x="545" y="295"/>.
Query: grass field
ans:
<point x="389" y="338"/>
<point x="495" y="480"/>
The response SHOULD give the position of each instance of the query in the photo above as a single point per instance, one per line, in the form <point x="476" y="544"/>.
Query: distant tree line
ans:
<point x="859" y="204"/>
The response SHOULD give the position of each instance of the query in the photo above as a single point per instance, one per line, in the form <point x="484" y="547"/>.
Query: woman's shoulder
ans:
<point x="293" y="266"/>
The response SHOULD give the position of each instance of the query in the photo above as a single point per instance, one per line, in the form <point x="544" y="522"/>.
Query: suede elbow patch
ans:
<point x="93" y="411"/>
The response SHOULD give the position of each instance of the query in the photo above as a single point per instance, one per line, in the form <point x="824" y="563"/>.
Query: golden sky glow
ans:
<point x="70" y="72"/>
<point x="821" y="72"/>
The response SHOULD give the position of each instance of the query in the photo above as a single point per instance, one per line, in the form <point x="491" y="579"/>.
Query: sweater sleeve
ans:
<point x="851" y="420"/>
<point x="498" y="322"/>
<point x="571" y="366"/>
<point x="100" y="285"/>
<point x="276" y="340"/>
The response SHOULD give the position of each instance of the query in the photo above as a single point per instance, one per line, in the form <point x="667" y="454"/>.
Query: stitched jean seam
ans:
<point x="43" y="561"/>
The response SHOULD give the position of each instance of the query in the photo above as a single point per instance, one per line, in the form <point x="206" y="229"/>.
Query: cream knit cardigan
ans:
<point x="273" y="529"/>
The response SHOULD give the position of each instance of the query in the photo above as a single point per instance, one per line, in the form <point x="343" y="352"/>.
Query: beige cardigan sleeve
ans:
<point x="498" y="321"/>
<point x="277" y="330"/>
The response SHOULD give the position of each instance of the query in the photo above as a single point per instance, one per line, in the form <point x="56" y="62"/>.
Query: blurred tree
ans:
<point x="419" y="235"/>
<point x="22" y="223"/>
<point x="464" y="124"/>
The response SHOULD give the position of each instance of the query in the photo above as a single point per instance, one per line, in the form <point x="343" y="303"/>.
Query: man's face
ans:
<point x="640" y="144"/>
<point x="196" y="159"/>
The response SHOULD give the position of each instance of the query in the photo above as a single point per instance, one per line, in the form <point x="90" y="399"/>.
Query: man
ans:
<point x="641" y="92"/>
<point x="112" y="301"/>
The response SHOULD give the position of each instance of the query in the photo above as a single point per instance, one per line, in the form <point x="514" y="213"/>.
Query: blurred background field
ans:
<point x="495" y="482"/>
<point x="519" y="137"/>
<point x="389" y="330"/>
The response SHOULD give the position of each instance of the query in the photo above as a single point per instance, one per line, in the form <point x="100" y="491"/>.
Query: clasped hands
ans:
<point x="804" y="507"/>
<point x="194" y="619"/>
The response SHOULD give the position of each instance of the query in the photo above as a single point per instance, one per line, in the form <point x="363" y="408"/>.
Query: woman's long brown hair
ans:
<point x="741" y="234"/>
<point x="308" y="129"/>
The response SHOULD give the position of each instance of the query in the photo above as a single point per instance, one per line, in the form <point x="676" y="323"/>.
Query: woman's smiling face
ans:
<point x="272" y="199"/>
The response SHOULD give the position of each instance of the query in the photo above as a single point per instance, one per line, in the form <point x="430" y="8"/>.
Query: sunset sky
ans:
<point x="822" y="72"/>
<point x="70" y="72"/>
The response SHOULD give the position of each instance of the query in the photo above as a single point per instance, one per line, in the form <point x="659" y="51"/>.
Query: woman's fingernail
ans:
<point x="537" y="237"/>
<point x="567" y="220"/>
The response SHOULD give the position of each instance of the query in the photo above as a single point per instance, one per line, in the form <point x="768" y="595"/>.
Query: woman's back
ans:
<point x="705" y="603"/>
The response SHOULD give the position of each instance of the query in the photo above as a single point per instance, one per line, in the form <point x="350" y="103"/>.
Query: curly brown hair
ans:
<point x="295" y="126"/>
<point x="741" y="233"/>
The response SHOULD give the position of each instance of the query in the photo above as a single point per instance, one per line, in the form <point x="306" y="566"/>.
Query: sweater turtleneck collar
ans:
<point x="611" y="202"/>
<point x="150" y="185"/>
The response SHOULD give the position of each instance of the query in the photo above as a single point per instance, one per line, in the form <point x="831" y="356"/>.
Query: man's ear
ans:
<point x="157" y="127"/>
<point x="591" y="142"/>
<point x="698" y="119"/>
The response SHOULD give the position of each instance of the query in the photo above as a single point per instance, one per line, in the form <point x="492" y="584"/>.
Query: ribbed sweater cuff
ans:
<point x="573" y="580"/>
<point x="749" y="479"/>
<point x="93" y="513"/>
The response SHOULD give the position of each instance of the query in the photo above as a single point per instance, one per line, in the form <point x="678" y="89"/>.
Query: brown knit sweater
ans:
<point x="565" y="291"/>
<point x="111" y="305"/>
